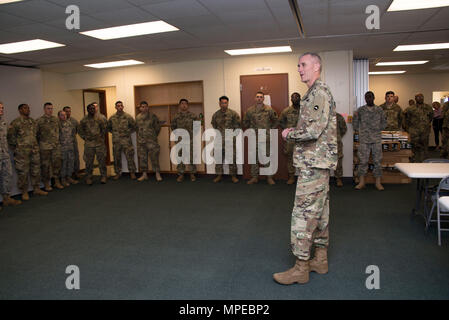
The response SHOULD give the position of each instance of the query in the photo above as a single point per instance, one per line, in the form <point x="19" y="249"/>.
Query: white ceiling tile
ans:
<point x="176" y="9"/>
<point x="36" y="10"/>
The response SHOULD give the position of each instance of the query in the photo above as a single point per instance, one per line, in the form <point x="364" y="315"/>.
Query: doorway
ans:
<point x="275" y="88"/>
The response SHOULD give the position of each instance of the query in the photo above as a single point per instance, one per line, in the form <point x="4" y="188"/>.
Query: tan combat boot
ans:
<point x="379" y="185"/>
<point x="319" y="263"/>
<point x="234" y="179"/>
<point x="65" y="182"/>
<point x="8" y="201"/>
<point x="25" y="196"/>
<point x="39" y="192"/>
<point x="58" y="184"/>
<point x="270" y="180"/>
<point x="47" y="186"/>
<point x="103" y="179"/>
<point x="158" y="177"/>
<point x="299" y="273"/>
<point x="291" y="179"/>
<point x="143" y="177"/>
<point x="253" y="181"/>
<point x="180" y="178"/>
<point x="361" y="184"/>
<point x="192" y="177"/>
<point x="133" y="176"/>
<point x="117" y="176"/>
<point x="218" y="178"/>
<point x="339" y="183"/>
<point x="72" y="181"/>
<point x="89" y="180"/>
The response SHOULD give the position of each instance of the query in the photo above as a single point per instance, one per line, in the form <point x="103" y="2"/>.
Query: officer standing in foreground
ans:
<point x="315" y="155"/>
<point x="341" y="131"/>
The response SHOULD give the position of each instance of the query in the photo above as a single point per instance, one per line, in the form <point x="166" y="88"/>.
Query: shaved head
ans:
<point x="316" y="58"/>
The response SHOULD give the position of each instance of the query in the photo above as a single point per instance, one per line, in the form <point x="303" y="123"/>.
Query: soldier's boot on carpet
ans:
<point x="291" y="179"/>
<point x="8" y="201"/>
<point x="72" y="181"/>
<point x="339" y="183"/>
<point x="89" y="180"/>
<point x="192" y="177"/>
<point x="47" y="186"/>
<point x="379" y="185"/>
<point x="117" y="176"/>
<point x="319" y="263"/>
<point x="253" y="181"/>
<point x="143" y="177"/>
<point x="25" y="196"/>
<point x="39" y="192"/>
<point x="218" y="178"/>
<point x="133" y="176"/>
<point x="298" y="274"/>
<point x="180" y="178"/>
<point x="234" y="179"/>
<point x="158" y="177"/>
<point x="58" y="184"/>
<point x="361" y="184"/>
<point x="64" y="182"/>
<point x="270" y="180"/>
<point x="103" y="179"/>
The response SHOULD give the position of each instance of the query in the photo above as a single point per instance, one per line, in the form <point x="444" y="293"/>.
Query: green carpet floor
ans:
<point x="200" y="240"/>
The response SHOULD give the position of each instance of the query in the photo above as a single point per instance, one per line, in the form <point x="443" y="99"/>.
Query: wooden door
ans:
<point x="276" y="87"/>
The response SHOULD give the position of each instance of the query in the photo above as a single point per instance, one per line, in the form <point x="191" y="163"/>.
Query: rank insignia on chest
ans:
<point x="316" y="108"/>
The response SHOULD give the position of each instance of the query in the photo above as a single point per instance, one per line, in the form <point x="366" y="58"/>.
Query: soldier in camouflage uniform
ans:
<point x="50" y="150"/>
<point x="5" y="164"/>
<point x="315" y="155"/>
<point x="369" y="120"/>
<point x="22" y="140"/>
<point x="75" y="124"/>
<point x="418" y="120"/>
<point x="223" y="119"/>
<point x="289" y="119"/>
<point x="445" y="131"/>
<point x="148" y="128"/>
<point x="393" y="112"/>
<point x="260" y="116"/>
<point x="122" y="125"/>
<point x="66" y="137"/>
<point x="92" y="130"/>
<point x="341" y="131"/>
<point x="184" y="120"/>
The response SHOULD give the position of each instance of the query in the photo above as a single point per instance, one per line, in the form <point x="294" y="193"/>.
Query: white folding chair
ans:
<point x="442" y="206"/>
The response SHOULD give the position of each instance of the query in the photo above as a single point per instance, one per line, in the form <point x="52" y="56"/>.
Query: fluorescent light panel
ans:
<point x="130" y="30"/>
<point x="29" y="45"/>
<point x="400" y="5"/>
<point x="113" y="64"/>
<point x="8" y="1"/>
<point x="385" y="72"/>
<point x="259" y="50"/>
<point x="401" y="63"/>
<point x="428" y="46"/>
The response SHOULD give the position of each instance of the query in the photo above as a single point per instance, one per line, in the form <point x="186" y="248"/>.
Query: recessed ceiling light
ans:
<point x="8" y="1"/>
<point x="130" y="30"/>
<point x="259" y="50"/>
<point x="429" y="46"/>
<point x="385" y="72"/>
<point x="399" y="5"/>
<point x="401" y="63"/>
<point x="113" y="64"/>
<point x="29" y="45"/>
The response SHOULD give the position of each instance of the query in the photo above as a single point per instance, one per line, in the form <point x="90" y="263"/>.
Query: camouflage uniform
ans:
<point x="93" y="130"/>
<point x="184" y="120"/>
<point x="222" y="121"/>
<point x="50" y="150"/>
<point x="148" y="128"/>
<point x="394" y="117"/>
<point x="289" y="119"/>
<point x="418" y="120"/>
<point x="5" y="161"/>
<point x="122" y="125"/>
<point x="315" y="155"/>
<point x="341" y="131"/>
<point x="260" y="118"/>
<point x="76" y="153"/>
<point x="67" y="134"/>
<point x="22" y="138"/>
<point x="445" y="133"/>
<point x="369" y="122"/>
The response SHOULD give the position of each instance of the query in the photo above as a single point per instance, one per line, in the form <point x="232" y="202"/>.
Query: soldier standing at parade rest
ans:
<point x="66" y="137"/>
<point x="75" y="124"/>
<point x="315" y="155"/>
<point x="341" y="131"/>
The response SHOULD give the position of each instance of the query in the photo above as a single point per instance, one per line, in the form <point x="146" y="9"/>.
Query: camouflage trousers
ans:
<point x="233" y="165"/>
<point x="76" y="153"/>
<point x="27" y="161"/>
<point x="68" y="163"/>
<point x="125" y="146"/>
<point x="5" y="176"/>
<point x="289" y="147"/>
<point x="89" y="157"/>
<point x="339" y="170"/>
<point x="181" y="167"/>
<point x="445" y="143"/>
<point x="255" y="167"/>
<point x="364" y="151"/>
<point x="420" y="146"/>
<point x="152" y="148"/>
<point x="310" y="216"/>
<point x="50" y="163"/>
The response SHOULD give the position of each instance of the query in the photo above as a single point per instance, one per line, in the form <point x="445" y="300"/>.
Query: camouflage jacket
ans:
<point x="47" y="132"/>
<point x="341" y="131"/>
<point x="289" y="117"/>
<point x="316" y="132"/>
<point x="121" y="125"/>
<point x="148" y="127"/>
<point x="184" y="120"/>
<point x="418" y="118"/>
<point x="93" y="130"/>
<point x="22" y="133"/>
<point x="394" y="117"/>
<point x="369" y="123"/>
<point x="67" y="134"/>
<point x="263" y="118"/>
<point x="4" y="153"/>
<point x="225" y="120"/>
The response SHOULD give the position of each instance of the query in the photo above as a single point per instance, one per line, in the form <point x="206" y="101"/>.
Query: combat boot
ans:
<point x="158" y="177"/>
<point x="180" y="178"/>
<point x="47" y="186"/>
<point x="319" y="263"/>
<point x="234" y="179"/>
<point x="58" y="184"/>
<point x="379" y="185"/>
<point x="39" y="192"/>
<point x="8" y="201"/>
<point x="143" y="177"/>
<point x="72" y="181"/>
<point x="103" y="179"/>
<point x="291" y="178"/>
<point x="192" y="177"/>
<point x="253" y="181"/>
<point x="270" y="180"/>
<point x="218" y="178"/>
<point x="117" y="176"/>
<point x="89" y="180"/>
<point x="361" y="184"/>
<point x="25" y="196"/>
<point x="299" y="273"/>
<point x="64" y="182"/>
<point x="339" y="183"/>
<point x="133" y="176"/>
